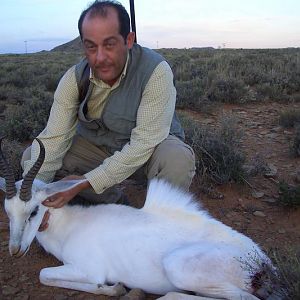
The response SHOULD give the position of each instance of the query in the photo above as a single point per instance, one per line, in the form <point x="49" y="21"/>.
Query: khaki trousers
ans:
<point x="172" y="160"/>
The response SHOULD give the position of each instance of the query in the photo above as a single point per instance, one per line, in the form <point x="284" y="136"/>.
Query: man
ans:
<point x="125" y="122"/>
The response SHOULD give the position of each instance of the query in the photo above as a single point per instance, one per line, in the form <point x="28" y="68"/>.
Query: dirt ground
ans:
<point x="250" y="208"/>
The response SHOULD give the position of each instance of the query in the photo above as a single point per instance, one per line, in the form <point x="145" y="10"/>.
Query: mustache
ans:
<point x="103" y="65"/>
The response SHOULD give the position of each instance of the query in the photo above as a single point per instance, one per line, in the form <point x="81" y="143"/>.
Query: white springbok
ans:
<point x="169" y="246"/>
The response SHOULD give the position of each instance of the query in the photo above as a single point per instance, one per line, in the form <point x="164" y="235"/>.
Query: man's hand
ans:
<point x="60" y="199"/>
<point x="44" y="225"/>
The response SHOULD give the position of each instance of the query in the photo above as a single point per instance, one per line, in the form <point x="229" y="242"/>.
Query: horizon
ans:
<point x="229" y="24"/>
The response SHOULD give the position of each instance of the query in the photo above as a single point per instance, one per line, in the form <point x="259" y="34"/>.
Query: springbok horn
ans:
<point x="25" y="192"/>
<point x="8" y="174"/>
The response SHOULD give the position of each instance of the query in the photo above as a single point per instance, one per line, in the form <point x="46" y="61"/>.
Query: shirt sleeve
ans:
<point x="60" y="129"/>
<point x="153" y="124"/>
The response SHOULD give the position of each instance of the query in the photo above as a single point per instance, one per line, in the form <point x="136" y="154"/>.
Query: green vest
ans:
<point x="118" y="118"/>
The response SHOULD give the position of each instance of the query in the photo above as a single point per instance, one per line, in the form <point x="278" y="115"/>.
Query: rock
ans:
<point x="272" y="135"/>
<point x="276" y="129"/>
<point x="297" y="177"/>
<point x="269" y="200"/>
<point x="23" y="278"/>
<point x="282" y="231"/>
<point x="61" y="297"/>
<point x="271" y="172"/>
<point x="10" y="290"/>
<point x="22" y="297"/>
<point x="264" y="132"/>
<point x="134" y="294"/>
<point x="257" y="194"/>
<point x="208" y="121"/>
<point x="4" y="244"/>
<point x="259" y="213"/>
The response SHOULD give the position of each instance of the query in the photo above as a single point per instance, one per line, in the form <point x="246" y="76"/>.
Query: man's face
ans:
<point x="104" y="47"/>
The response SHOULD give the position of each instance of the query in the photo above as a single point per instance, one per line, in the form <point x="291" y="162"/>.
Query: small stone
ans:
<point x="276" y="129"/>
<point x="61" y="297"/>
<point x="134" y="294"/>
<point x="271" y="135"/>
<point x="282" y="231"/>
<point x="271" y="172"/>
<point x="257" y="194"/>
<point x="259" y="213"/>
<point x="10" y="290"/>
<point x="22" y="297"/>
<point x="23" y="278"/>
<point x="265" y="132"/>
<point x="208" y="121"/>
<point x="297" y="177"/>
<point x="238" y="224"/>
<point x="269" y="200"/>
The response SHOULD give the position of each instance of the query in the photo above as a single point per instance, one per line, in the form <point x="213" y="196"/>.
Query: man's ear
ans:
<point x="130" y="40"/>
<point x="2" y="184"/>
<point x="61" y="186"/>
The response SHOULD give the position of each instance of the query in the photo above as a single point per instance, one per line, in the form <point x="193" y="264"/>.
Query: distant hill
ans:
<point x="74" y="45"/>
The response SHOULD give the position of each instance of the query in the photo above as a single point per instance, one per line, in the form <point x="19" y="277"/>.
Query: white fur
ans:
<point x="169" y="245"/>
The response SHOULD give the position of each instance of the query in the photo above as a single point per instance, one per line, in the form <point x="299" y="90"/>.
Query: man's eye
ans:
<point x="109" y="45"/>
<point x="90" y="47"/>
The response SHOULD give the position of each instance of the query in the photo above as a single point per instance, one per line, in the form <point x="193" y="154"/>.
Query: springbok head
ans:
<point x="23" y="202"/>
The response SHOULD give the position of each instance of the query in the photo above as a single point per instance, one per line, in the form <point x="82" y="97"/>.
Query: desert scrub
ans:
<point x="283" y="281"/>
<point x="24" y="122"/>
<point x="219" y="158"/>
<point x="227" y="90"/>
<point x="287" y="263"/>
<point x="289" y="195"/>
<point x="289" y="118"/>
<point x="295" y="145"/>
<point x="13" y="152"/>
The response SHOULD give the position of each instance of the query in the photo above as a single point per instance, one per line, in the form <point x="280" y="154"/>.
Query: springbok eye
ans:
<point x="34" y="212"/>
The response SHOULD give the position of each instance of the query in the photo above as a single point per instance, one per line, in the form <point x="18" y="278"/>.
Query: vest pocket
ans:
<point x="119" y="124"/>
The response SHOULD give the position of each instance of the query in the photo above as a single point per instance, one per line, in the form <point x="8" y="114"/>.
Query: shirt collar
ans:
<point x="102" y="84"/>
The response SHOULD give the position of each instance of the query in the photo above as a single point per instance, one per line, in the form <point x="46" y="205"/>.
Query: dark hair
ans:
<point x="100" y="8"/>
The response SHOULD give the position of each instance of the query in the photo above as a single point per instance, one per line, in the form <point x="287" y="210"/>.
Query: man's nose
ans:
<point x="100" y="55"/>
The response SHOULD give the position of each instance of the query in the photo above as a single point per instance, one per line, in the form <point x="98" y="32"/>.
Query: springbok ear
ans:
<point x="61" y="186"/>
<point x="2" y="184"/>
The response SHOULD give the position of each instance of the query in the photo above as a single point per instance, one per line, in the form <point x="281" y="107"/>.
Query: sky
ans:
<point x="35" y="25"/>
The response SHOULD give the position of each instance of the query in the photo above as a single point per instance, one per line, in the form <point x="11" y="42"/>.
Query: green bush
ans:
<point x="26" y="121"/>
<point x="295" y="147"/>
<point x="13" y="152"/>
<point x="289" y="195"/>
<point x="227" y="90"/>
<point x="219" y="158"/>
<point x="287" y="276"/>
<point x="289" y="118"/>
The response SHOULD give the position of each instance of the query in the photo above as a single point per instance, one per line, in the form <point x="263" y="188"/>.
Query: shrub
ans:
<point x="13" y="153"/>
<point x="295" y="147"/>
<point x="218" y="155"/>
<point x="281" y="282"/>
<point x="227" y="90"/>
<point x="26" y="121"/>
<point x="289" y="195"/>
<point x="289" y="118"/>
<point x="287" y="272"/>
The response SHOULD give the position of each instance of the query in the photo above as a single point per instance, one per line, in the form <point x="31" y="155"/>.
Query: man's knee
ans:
<point x="174" y="161"/>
